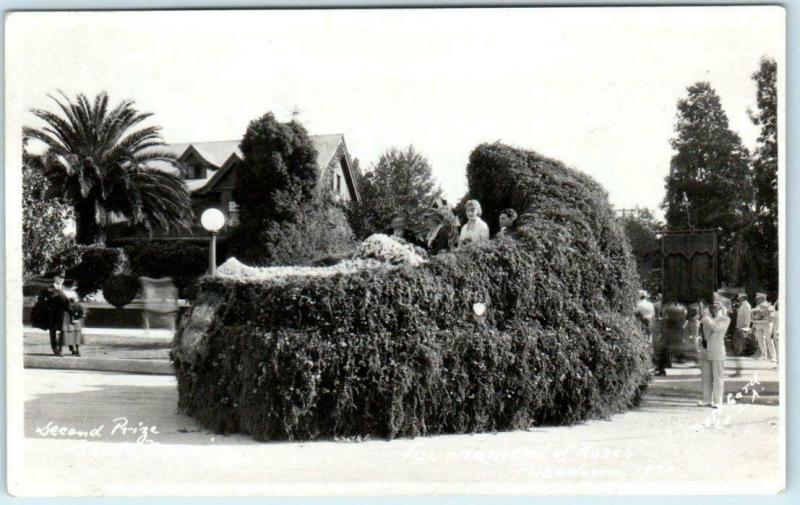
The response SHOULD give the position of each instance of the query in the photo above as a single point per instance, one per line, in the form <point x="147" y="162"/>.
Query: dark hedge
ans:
<point x="402" y="352"/>
<point x="184" y="262"/>
<point x="97" y="264"/>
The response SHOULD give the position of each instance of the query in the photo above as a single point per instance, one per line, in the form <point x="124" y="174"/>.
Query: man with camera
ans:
<point x="714" y="324"/>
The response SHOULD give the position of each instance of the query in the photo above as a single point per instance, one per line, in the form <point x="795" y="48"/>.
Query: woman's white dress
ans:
<point x="474" y="232"/>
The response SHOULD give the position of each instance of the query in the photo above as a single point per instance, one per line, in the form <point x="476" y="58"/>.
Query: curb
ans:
<point x="152" y="334"/>
<point x="679" y="388"/>
<point x="139" y="366"/>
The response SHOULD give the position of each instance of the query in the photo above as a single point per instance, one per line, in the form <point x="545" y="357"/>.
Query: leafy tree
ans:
<point x="765" y="169"/>
<point x="277" y="158"/>
<point x="44" y="243"/>
<point x="98" y="163"/>
<point x="641" y="228"/>
<point x="710" y="184"/>
<point x="400" y="181"/>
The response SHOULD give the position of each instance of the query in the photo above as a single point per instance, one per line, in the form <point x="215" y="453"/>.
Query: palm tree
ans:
<point x="98" y="163"/>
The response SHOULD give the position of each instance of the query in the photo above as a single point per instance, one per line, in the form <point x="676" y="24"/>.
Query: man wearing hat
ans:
<point x="743" y="313"/>
<point x="712" y="352"/>
<point x="762" y="316"/>
<point x="438" y="237"/>
<point x="57" y="304"/>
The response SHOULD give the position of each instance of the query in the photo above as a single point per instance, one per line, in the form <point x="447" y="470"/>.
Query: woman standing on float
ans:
<point x="476" y="229"/>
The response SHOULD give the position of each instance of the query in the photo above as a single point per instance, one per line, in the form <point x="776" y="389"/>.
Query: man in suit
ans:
<point x="714" y="324"/>
<point x="743" y="313"/>
<point x="762" y="316"/>
<point x="438" y="237"/>
<point x="57" y="307"/>
<point x="742" y="329"/>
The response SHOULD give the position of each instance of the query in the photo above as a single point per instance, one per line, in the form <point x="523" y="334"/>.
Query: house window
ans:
<point x="338" y="184"/>
<point x="233" y="213"/>
<point x="195" y="172"/>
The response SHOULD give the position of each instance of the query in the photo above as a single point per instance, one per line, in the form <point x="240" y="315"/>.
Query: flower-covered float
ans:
<point x="532" y="328"/>
<point x="377" y="251"/>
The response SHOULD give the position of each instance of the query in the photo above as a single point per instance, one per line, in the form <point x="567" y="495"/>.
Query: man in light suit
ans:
<point x="763" y="315"/>
<point x="714" y="324"/>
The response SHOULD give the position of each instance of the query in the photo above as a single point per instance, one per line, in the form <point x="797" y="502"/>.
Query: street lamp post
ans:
<point x="212" y="220"/>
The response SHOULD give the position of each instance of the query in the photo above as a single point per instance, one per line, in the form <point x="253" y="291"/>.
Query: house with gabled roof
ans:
<point x="209" y="170"/>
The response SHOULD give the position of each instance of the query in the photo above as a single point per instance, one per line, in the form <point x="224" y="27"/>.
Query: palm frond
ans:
<point x="96" y="156"/>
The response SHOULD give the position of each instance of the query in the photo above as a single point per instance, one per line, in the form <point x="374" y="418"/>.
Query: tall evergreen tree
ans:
<point x="401" y="181"/>
<point x="765" y="168"/>
<point x="278" y="159"/>
<point x="710" y="184"/>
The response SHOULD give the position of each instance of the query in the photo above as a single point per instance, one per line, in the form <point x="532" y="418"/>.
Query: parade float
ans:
<point x="532" y="328"/>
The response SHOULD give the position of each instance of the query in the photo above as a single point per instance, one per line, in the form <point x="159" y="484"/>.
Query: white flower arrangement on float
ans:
<point x="391" y="250"/>
<point x="377" y="251"/>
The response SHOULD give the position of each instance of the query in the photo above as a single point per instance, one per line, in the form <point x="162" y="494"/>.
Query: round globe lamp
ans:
<point x="212" y="220"/>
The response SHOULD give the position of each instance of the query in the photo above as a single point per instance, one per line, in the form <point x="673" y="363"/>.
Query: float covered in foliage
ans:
<point x="532" y="328"/>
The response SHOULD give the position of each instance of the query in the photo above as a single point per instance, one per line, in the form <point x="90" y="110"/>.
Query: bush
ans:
<point x="120" y="290"/>
<point x="317" y="229"/>
<point x="184" y="262"/>
<point x="97" y="264"/>
<point x="409" y="351"/>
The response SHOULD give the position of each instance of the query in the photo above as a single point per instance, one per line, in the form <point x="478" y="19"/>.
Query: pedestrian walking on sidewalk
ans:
<point x="57" y="309"/>
<point x="673" y="321"/>
<point x="714" y="324"/>
<point x="645" y="312"/>
<point x="693" y="325"/>
<point x="743" y="330"/>
<point x="763" y="315"/>
<point x="776" y="332"/>
<point x="73" y="327"/>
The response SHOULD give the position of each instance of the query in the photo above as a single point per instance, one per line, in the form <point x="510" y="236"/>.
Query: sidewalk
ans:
<point x="684" y="380"/>
<point x="129" y="351"/>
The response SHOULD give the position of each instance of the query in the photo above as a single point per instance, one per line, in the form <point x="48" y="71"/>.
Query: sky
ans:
<point x="596" y="87"/>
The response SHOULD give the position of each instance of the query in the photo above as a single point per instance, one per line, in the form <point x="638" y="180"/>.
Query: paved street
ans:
<point x="127" y="438"/>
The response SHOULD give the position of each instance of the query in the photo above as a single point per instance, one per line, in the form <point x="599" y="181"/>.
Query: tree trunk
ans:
<point x="88" y="230"/>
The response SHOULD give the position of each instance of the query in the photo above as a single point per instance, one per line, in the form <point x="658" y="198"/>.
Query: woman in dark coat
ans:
<point x="438" y="237"/>
<point x="63" y="317"/>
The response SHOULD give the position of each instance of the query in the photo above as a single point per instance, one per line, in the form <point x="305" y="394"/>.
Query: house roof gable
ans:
<point x="222" y="155"/>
